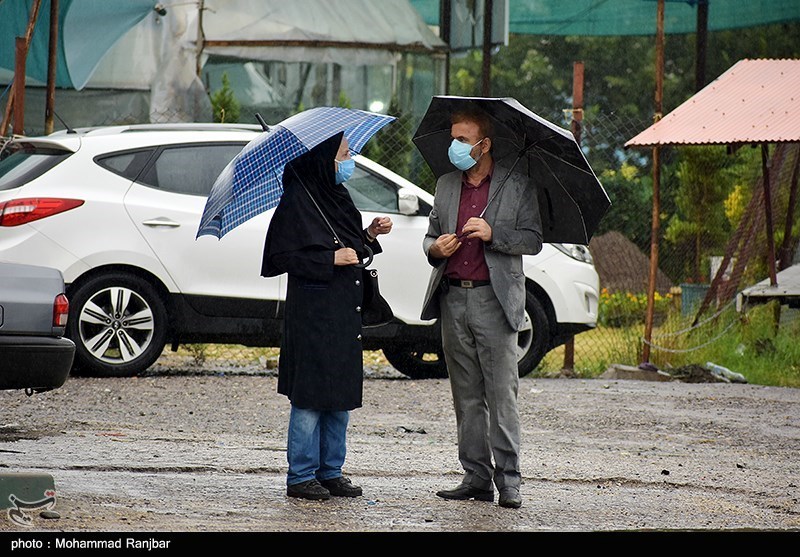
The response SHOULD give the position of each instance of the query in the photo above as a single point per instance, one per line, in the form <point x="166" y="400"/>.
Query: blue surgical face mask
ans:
<point x="344" y="169"/>
<point x="459" y="154"/>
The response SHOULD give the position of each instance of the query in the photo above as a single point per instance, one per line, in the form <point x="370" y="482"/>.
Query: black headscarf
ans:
<point x="297" y="224"/>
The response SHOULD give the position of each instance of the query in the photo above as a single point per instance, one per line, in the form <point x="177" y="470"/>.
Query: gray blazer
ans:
<point x="516" y="230"/>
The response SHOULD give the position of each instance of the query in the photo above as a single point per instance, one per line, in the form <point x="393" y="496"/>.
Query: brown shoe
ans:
<point x="341" y="487"/>
<point x="308" y="490"/>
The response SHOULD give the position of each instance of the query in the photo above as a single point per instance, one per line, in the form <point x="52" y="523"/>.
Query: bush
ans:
<point x="623" y="309"/>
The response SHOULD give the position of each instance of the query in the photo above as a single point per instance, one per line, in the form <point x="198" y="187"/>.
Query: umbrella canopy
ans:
<point x="252" y="183"/>
<point x="571" y="199"/>
<point x="87" y="29"/>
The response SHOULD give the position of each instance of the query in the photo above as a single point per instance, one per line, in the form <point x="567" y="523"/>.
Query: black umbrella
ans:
<point x="571" y="199"/>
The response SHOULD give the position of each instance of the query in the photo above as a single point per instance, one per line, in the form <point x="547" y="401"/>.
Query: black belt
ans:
<point x="467" y="283"/>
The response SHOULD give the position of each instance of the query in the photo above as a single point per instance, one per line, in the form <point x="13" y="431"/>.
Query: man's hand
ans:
<point x="379" y="225"/>
<point x="476" y="227"/>
<point x="345" y="256"/>
<point x="444" y="246"/>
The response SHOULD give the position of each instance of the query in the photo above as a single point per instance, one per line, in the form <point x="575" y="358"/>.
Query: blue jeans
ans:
<point x="316" y="444"/>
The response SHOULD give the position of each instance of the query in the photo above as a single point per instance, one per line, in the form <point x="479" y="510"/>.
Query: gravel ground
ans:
<point x="206" y="453"/>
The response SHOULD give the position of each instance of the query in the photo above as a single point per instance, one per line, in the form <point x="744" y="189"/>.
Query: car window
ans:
<point x="190" y="169"/>
<point x="371" y="192"/>
<point x="20" y="163"/>
<point x="128" y="164"/>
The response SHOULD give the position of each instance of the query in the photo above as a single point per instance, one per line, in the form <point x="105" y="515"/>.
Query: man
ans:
<point x="477" y="290"/>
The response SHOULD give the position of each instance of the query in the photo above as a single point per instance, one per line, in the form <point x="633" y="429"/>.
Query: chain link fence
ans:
<point x="709" y="198"/>
<point x="711" y="245"/>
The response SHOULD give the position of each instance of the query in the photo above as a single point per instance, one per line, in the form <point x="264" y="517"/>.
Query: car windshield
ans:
<point x="22" y="162"/>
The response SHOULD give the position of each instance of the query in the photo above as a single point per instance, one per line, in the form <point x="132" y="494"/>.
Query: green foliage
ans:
<point x="700" y="224"/>
<point x="623" y="309"/>
<point x="631" y="204"/>
<point x="226" y="107"/>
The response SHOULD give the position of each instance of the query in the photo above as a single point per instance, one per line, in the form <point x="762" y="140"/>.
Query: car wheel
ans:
<point x="118" y="324"/>
<point x="532" y="345"/>
<point x="534" y="338"/>
<point x="416" y="364"/>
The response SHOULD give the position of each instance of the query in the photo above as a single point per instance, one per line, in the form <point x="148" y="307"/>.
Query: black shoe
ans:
<point x="464" y="492"/>
<point x="510" y="498"/>
<point x="342" y="487"/>
<point x="308" y="490"/>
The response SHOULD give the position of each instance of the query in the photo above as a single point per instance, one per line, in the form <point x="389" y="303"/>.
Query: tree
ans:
<point x="700" y="224"/>
<point x="226" y="107"/>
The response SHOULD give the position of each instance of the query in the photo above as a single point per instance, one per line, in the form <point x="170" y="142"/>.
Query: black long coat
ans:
<point x="321" y="361"/>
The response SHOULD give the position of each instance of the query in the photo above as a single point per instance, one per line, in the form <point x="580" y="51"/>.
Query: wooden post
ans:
<point x="16" y="100"/>
<point x="654" y="228"/>
<point x="773" y="281"/>
<point x="201" y="37"/>
<point x="19" y="85"/>
<point x="786" y="248"/>
<point x="52" y="59"/>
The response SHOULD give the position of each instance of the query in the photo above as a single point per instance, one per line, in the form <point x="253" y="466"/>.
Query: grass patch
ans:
<point x="749" y="344"/>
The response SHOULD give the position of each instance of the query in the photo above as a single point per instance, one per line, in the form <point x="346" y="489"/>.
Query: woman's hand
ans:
<point x="379" y="225"/>
<point x="345" y="256"/>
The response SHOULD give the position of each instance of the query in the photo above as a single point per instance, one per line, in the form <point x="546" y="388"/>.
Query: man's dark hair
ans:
<point x="476" y="115"/>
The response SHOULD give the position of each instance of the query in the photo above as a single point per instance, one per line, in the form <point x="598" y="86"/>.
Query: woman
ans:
<point x="320" y="367"/>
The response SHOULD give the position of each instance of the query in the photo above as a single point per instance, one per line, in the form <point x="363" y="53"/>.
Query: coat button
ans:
<point x="358" y="337"/>
<point x="358" y="309"/>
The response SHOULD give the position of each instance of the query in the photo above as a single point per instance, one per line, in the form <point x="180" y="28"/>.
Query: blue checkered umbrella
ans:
<point x="252" y="183"/>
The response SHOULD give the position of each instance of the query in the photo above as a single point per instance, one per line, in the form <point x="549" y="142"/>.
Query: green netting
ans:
<point x="628" y="17"/>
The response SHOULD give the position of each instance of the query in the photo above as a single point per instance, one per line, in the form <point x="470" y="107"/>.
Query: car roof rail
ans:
<point x="170" y="127"/>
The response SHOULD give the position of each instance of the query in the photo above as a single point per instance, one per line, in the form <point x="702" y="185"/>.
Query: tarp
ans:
<point x="348" y="32"/>
<point x="628" y="17"/>
<point x="87" y="29"/>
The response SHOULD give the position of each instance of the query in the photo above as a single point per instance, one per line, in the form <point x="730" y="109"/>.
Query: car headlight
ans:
<point x="575" y="251"/>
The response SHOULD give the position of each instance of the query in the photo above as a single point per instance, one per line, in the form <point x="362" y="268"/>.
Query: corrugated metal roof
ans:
<point x="755" y="101"/>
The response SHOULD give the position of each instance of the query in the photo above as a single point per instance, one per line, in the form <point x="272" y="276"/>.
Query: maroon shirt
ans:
<point x="468" y="262"/>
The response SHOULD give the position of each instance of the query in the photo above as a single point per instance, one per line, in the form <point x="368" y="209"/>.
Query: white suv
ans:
<point x="116" y="210"/>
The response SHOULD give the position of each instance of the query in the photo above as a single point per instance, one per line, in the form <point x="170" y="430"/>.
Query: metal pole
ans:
<point x="444" y="25"/>
<point x="700" y="47"/>
<point x="577" y="119"/>
<point x="654" y="229"/>
<point x="486" y="87"/>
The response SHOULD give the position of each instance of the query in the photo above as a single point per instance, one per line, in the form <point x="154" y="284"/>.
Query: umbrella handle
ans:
<point x="369" y="258"/>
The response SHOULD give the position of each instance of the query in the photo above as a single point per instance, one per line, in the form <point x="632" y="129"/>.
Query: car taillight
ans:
<point x="25" y="210"/>
<point x="60" y="311"/>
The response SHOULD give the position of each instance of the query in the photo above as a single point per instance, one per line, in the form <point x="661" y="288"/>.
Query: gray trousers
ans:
<point x="480" y="352"/>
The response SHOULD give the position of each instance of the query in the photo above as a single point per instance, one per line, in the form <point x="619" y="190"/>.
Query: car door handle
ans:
<point x="162" y="221"/>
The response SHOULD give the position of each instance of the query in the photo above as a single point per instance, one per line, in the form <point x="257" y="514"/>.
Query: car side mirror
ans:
<point x="408" y="202"/>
